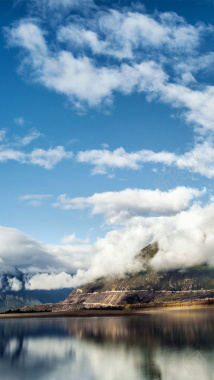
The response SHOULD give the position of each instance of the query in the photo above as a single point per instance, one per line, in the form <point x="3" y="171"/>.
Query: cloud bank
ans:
<point x="185" y="238"/>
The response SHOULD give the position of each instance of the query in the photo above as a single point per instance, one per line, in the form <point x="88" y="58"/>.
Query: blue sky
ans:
<point x="106" y="127"/>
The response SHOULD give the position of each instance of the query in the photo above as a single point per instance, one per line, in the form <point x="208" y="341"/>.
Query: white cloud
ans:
<point x="121" y="206"/>
<point x="49" y="281"/>
<point x="189" y="240"/>
<point x="185" y="239"/>
<point x="105" y="145"/>
<point x="121" y="33"/>
<point x="110" y="255"/>
<point x="41" y="157"/>
<point x="103" y="159"/>
<point x="198" y="103"/>
<point x="14" y="284"/>
<point x="141" y="46"/>
<point x="26" y="140"/>
<point x="18" y="250"/>
<point x="19" y="120"/>
<point x="80" y="37"/>
<point x="48" y="158"/>
<point x="11" y="154"/>
<point x="56" y="5"/>
<point x="71" y="239"/>
<point x="34" y="196"/>
<point x="28" y="35"/>
<point x="66" y="74"/>
<point x="200" y="159"/>
<point x="74" y="77"/>
<point x="22" y="251"/>
<point x="35" y="199"/>
<point x="194" y="65"/>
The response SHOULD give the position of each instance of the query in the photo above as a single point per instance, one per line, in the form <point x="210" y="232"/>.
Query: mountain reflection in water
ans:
<point x="163" y="346"/>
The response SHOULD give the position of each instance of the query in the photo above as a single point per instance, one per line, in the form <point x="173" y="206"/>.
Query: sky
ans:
<point x="106" y="136"/>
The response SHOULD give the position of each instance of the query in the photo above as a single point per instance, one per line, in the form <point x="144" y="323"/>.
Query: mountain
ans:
<point x="146" y="288"/>
<point x="11" y="299"/>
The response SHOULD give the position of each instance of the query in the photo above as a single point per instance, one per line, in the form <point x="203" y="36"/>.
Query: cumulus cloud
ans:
<point x="200" y="159"/>
<point x="126" y="51"/>
<point x="122" y="205"/>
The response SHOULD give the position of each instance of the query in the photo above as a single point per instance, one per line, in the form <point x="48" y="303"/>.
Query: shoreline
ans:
<point x="109" y="312"/>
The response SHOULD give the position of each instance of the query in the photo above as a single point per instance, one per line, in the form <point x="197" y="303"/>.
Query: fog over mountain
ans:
<point x="184" y="239"/>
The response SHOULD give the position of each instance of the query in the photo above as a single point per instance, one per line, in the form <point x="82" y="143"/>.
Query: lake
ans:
<point x="171" y="345"/>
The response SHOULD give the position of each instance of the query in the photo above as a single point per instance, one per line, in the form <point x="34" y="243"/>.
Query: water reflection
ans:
<point x="163" y="346"/>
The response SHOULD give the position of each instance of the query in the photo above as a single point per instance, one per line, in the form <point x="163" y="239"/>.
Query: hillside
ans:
<point x="142" y="289"/>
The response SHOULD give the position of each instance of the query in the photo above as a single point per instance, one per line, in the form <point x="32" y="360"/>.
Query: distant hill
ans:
<point x="146" y="288"/>
<point x="10" y="300"/>
<point x="14" y="300"/>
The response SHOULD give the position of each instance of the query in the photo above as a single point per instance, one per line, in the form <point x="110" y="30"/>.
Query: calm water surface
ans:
<point x="168" y="346"/>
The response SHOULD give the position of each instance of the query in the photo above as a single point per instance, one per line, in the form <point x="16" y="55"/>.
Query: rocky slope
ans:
<point x="142" y="289"/>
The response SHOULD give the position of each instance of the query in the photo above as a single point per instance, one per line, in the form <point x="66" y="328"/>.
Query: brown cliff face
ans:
<point x="143" y="289"/>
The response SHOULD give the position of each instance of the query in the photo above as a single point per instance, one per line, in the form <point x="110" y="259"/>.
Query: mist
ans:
<point x="184" y="240"/>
